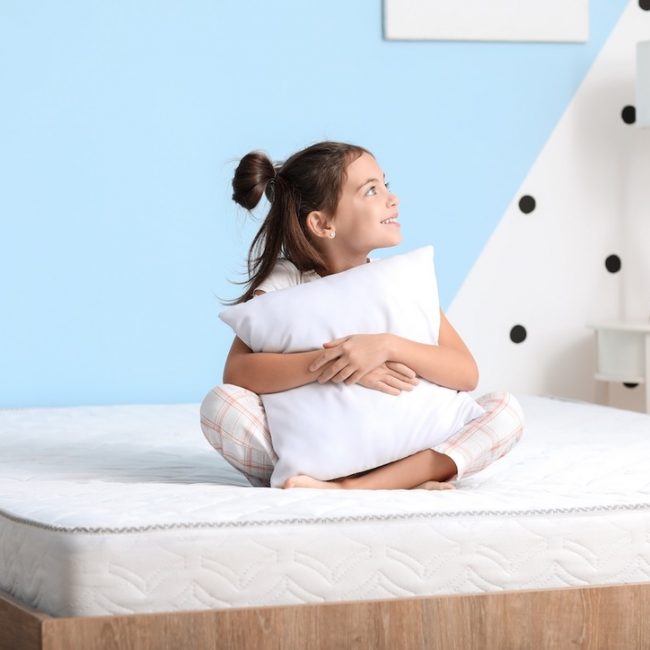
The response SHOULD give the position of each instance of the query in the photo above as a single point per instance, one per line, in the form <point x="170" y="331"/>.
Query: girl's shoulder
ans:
<point x="286" y="274"/>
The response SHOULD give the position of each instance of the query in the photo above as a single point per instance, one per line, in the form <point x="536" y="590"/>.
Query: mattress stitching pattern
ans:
<point x="532" y="512"/>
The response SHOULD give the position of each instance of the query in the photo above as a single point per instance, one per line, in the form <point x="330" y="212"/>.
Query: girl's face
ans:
<point x="366" y="215"/>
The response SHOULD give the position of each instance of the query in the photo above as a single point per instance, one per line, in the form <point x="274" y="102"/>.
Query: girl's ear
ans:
<point x="319" y="225"/>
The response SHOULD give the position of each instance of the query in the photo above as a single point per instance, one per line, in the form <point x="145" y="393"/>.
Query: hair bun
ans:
<point x="252" y="175"/>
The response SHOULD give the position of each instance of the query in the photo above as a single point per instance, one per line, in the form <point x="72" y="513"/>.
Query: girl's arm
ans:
<point x="449" y="363"/>
<point x="265" y="372"/>
<point x="268" y="372"/>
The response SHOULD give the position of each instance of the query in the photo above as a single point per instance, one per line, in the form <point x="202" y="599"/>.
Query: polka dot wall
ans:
<point x="571" y="249"/>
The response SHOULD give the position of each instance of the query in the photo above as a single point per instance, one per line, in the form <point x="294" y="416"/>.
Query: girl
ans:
<point x="329" y="207"/>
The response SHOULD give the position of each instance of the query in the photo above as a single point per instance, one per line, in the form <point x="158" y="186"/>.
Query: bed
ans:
<point x="121" y="527"/>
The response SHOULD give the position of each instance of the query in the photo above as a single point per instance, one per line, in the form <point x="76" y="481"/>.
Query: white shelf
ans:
<point x="622" y="326"/>
<point x="624" y="379"/>
<point x="623" y="353"/>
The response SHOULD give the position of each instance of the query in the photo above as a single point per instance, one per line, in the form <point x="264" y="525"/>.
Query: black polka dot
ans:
<point x="526" y="204"/>
<point x="629" y="385"/>
<point x="644" y="4"/>
<point x="613" y="263"/>
<point x="629" y="115"/>
<point x="518" y="334"/>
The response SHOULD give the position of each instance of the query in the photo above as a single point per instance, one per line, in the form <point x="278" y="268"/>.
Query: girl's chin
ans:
<point x="388" y="242"/>
<point x="387" y="245"/>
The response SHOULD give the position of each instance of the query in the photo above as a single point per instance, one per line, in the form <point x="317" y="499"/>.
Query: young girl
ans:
<point x="330" y="206"/>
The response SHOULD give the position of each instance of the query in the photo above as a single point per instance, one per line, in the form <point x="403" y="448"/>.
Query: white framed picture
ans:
<point x="487" y="20"/>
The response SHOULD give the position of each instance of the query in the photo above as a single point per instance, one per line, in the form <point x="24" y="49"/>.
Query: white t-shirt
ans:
<point x="286" y="274"/>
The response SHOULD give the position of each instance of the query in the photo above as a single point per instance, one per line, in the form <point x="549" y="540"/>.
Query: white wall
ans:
<point x="546" y="270"/>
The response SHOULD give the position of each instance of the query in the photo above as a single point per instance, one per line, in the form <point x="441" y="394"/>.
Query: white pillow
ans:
<point x="331" y="430"/>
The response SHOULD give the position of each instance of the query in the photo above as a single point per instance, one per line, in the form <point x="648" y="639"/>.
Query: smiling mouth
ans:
<point x="390" y="220"/>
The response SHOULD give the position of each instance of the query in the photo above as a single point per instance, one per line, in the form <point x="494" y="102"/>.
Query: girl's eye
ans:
<point x="372" y="190"/>
<point x="387" y="185"/>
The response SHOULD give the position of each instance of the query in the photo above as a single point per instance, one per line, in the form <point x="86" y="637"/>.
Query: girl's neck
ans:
<point x="344" y="263"/>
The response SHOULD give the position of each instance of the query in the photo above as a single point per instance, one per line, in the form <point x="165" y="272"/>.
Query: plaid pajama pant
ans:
<point x="234" y="423"/>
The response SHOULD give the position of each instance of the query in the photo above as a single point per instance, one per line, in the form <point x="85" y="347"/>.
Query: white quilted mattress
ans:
<point x="122" y="509"/>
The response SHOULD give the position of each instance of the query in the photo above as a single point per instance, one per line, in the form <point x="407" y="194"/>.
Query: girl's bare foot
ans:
<point x="435" y="485"/>
<point x="301" y="480"/>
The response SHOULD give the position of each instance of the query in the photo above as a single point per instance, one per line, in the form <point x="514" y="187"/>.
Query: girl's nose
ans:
<point x="393" y="199"/>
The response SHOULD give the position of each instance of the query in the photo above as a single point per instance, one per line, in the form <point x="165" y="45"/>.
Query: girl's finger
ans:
<point x="343" y="375"/>
<point x="412" y="381"/>
<point x="396" y="382"/>
<point x="331" y="344"/>
<point x="354" y="378"/>
<point x="334" y="368"/>
<point x="385" y="388"/>
<point x="324" y="358"/>
<point x="401" y="368"/>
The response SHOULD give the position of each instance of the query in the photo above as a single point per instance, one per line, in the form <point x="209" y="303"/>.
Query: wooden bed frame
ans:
<point x="607" y="617"/>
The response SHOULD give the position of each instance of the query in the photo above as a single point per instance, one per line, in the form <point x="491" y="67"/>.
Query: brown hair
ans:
<point x="311" y="179"/>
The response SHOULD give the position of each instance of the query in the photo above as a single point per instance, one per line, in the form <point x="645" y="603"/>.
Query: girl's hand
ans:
<point x="391" y="377"/>
<point x="352" y="357"/>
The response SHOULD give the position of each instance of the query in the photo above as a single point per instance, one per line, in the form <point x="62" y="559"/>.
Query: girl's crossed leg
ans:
<point x="426" y="469"/>
<point x="234" y="422"/>
<point x="471" y="449"/>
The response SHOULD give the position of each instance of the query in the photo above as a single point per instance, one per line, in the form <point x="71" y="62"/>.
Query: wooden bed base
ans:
<point x="608" y="617"/>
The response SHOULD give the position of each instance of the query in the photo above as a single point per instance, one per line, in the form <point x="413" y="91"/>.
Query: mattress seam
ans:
<point x="104" y="530"/>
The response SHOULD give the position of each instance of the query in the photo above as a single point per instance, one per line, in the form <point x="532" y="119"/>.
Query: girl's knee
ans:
<point x="513" y="405"/>
<point x="515" y="419"/>
<point x="224" y="405"/>
<point x="225" y="395"/>
<point x="213" y="404"/>
<point x="233" y="421"/>
<point x="500" y="400"/>
<point x="515" y="408"/>
<point x="505" y="413"/>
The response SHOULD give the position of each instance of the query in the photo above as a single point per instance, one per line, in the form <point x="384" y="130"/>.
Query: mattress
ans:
<point x="124" y="509"/>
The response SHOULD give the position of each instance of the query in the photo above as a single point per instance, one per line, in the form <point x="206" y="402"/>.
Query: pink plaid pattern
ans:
<point x="487" y="438"/>
<point x="234" y="423"/>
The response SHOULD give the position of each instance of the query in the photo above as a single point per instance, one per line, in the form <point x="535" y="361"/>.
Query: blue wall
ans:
<point x="120" y="126"/>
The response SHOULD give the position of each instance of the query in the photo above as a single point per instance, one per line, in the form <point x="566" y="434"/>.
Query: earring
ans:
<point x="332" y="234"/>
